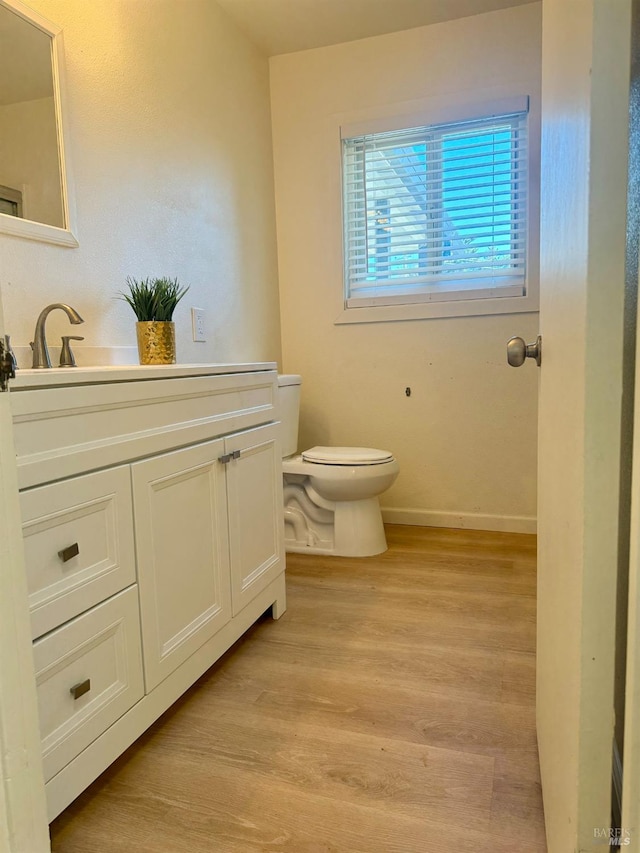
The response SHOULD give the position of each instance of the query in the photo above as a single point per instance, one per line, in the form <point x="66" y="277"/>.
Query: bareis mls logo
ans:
<point x="615" y="837"/>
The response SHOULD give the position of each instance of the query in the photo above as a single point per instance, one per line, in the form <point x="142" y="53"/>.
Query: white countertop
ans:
<point x="47" y="378"/>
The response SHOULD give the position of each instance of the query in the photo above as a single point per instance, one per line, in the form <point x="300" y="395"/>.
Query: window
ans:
<point x="10" y="201"/>
<point x="436" y="213"/>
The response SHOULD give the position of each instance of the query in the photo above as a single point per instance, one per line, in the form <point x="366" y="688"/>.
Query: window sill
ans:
<point x="435" y="310"/>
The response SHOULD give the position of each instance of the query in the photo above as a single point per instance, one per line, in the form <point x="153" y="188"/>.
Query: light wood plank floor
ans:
<point x="390" y="710"/>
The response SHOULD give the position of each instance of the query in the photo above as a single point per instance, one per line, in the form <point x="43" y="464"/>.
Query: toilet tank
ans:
<point x="289" y="404"/>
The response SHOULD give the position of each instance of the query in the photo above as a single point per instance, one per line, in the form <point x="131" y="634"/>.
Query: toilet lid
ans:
<point x="346" y="456"/>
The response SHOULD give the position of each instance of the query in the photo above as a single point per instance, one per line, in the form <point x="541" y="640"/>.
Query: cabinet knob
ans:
<point x="80" y="689"/>
<point x="69" y="552"/>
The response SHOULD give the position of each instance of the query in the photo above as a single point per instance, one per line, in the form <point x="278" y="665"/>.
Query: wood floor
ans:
<point x="390" y="710"/>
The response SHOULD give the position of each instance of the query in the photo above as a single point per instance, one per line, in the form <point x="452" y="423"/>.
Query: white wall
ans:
<point x="466" y="437"/>
<point x="170" y="146"/>
<point x="29" y="158"/>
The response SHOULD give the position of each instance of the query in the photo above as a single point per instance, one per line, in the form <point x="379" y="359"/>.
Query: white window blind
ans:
<point x="437" y="212"/>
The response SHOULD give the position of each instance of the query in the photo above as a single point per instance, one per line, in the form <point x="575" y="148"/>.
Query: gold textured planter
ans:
<point x="156" y="342"/>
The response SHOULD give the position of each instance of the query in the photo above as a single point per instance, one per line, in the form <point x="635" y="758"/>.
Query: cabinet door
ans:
<point x="183" y="554"/>
<point x="254" y="490"/>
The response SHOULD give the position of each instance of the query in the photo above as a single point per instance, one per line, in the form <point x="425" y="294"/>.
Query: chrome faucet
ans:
<point x="40" y="349"/>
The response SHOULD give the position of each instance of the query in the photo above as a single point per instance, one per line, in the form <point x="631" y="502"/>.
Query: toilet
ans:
<point x="330" y="493"/>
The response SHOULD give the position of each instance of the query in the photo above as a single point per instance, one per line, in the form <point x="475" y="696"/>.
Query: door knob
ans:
<point x="517" y="351"/>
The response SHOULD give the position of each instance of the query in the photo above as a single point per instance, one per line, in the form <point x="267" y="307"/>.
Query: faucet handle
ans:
<point x="67" y="358"/>
<point x="7" y="363"/>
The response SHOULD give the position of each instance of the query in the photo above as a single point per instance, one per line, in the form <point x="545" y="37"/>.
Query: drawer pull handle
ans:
<point x="79" y="690"/>
<point x="68" y="553"/>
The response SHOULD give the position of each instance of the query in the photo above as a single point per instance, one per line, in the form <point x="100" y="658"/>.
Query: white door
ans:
<point x="630" y="832"/>
<point x="586" y="55"/>
<point x="631" y="761"/>
<point x="23" y="814"/>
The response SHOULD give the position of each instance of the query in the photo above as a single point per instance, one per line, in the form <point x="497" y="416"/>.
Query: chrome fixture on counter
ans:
<point x="40" y="349"/>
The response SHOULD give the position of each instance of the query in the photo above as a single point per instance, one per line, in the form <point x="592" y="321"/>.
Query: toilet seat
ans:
<point x="346" y="456"/>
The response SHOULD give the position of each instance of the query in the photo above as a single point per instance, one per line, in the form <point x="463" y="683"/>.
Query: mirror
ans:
<point x="34" y="178"/>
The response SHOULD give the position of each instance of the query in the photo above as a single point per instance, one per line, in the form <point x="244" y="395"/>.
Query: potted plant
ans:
<point x="154" y="300"/>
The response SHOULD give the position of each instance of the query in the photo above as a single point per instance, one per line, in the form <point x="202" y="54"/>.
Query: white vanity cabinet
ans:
<point x="152" y="520"/>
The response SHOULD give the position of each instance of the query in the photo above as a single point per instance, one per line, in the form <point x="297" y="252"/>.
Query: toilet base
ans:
<point x="348" y="529"/>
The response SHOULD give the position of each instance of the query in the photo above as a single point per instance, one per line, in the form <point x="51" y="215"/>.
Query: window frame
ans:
<point x="449" y="300"/>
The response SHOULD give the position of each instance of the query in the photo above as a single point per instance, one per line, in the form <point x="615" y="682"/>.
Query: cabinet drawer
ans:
<point x="90" y="515"/>
<point x="99" y="650"/>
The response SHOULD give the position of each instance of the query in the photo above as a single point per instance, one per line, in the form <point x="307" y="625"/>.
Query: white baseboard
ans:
<point x="467" y="520"/>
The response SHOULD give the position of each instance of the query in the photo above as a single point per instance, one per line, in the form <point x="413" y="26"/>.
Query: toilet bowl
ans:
<point x="331" y="493"/>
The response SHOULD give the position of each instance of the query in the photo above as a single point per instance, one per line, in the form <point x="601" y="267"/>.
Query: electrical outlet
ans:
<point x="197" y="324"/>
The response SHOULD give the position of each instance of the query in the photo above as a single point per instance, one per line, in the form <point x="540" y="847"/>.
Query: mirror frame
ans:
<point x="28" y="228"/>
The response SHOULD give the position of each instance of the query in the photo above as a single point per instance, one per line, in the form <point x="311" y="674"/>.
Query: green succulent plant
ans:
<point x="153" y="298"/>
